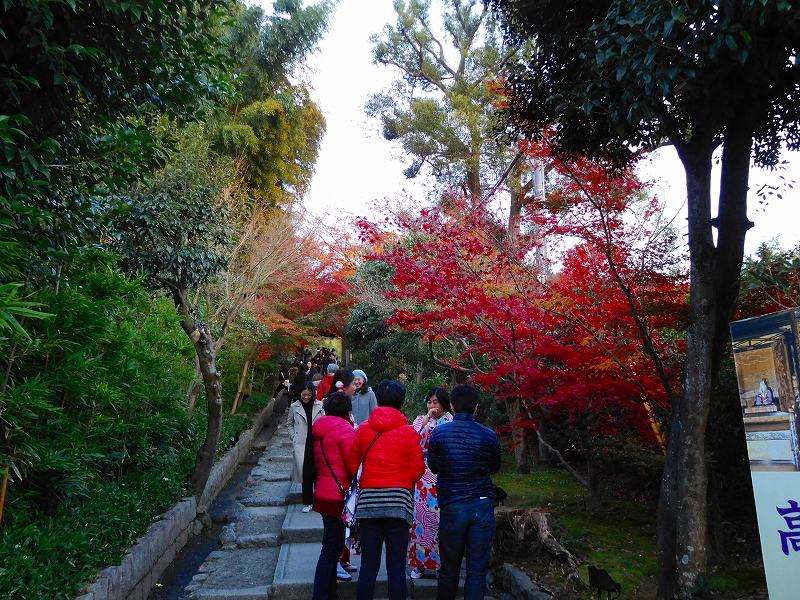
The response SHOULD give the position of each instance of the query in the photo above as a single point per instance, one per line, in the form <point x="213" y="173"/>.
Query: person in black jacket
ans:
<point x="464" y="454"/>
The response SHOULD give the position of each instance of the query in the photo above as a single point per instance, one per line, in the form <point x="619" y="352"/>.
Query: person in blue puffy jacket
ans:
<point x="464" y="454"/>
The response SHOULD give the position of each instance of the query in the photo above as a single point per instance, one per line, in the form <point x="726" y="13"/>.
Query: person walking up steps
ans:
<point x="464" y="454"/>
<point x="303" y="413"/>
<point x="325" y="385"/>
<point x="364" y="400"/>
<point x="333" y="439"/>
<point x="344" y="381"/>
<point x="392" y="462"/>
<point x="424" y="551"/>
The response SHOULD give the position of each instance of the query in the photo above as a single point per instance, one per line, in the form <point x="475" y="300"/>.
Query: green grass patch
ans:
<point x="621" y="539"/>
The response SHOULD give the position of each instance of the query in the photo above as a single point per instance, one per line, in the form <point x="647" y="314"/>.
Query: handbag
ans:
<point x="350" y="495"/>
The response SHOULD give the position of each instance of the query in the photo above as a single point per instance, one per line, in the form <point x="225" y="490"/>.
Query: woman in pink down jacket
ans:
<point x="333" y="439"/>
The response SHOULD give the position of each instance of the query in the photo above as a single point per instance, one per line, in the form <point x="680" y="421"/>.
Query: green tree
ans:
<point x="276" y="141"/>
<point x="78" y="81"/>
<point x="439" y="109"/>
<point x="267" y="49"/>
<point x="273" y="128"/>
<point x="770" y="280"/>
<point x="616" y="78"/>
<point x="175" y="232"/>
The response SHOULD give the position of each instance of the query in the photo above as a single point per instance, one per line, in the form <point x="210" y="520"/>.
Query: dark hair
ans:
<point x="442" y="396"/>
<point x="337" y="404"/>
<point x="343" y="375"/>
<point x="310" y="387"/>
<point x="465" y="398"/>
<point x="391" y="393"/>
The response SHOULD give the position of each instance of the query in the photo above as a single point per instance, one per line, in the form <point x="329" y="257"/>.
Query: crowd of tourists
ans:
<point x="423" y="492"/>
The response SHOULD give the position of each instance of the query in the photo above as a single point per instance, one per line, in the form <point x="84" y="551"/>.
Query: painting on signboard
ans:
<point x="766" y="353"/>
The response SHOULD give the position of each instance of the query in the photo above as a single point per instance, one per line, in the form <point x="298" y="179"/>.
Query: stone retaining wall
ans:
<point x="146" y="560"/>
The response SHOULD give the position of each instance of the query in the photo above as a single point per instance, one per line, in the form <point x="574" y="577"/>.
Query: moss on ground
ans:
<point x="621" y="539"/>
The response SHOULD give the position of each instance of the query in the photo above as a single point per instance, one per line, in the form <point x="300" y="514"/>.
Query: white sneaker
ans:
<point x="341" y="574"/>
<point x="307" y="509"/>
<point x="417" y="573"/>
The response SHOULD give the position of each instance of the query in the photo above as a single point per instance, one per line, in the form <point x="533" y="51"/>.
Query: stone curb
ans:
<point x="519" y="585"/>
<point x="254" y="593"/>
<point x="146" y="561"/>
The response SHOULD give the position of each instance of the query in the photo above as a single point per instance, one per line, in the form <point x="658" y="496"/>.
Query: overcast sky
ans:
<point x="358" y="171"/>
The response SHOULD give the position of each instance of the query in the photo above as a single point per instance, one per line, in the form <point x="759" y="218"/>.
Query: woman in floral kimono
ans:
<point x="424" y="550"/>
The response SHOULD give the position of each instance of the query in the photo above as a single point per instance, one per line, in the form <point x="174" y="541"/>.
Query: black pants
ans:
<point x="332" y="545"/>
<point x="309" y="473"/>
<point x="374" y="532"/>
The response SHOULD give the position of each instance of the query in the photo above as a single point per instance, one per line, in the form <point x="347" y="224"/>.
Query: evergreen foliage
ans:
<point x="439" y="108"/>
<point x="111" y="136"/>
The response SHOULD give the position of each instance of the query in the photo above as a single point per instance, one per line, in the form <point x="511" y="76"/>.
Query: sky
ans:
<point x="358" y="172"/>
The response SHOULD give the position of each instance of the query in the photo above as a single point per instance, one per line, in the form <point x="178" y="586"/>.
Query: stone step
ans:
<point x="255" y="593"/>
<point x="294" y="574"/>
<point x="265" y="494"/>
<point x="261" y="540"/>
<point x="261" y="444"/>
<point x="270" y="472"/>
<point x="301" y="527"/>
<point x="295" y="493"/>
<point x="256" y="527"/>
<point x="241" y="574"/>
<point x="277" y="458"/>
<point x="426" y="587"/>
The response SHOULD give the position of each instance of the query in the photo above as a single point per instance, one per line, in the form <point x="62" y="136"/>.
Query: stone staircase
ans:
<point x="269" y="549"/>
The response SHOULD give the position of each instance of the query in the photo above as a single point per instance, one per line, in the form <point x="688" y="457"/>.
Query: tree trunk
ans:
<point x="251" y="380"/>
<point x="204" y="347"/>
<point x="194" y="389"/>
<point x="474" y="176"/>
<point x="543" y="454"/>
<point x="518" y="437"/>
<point x="714" y="286"/>
<point x="345" y="358"/>
<point x="684" y="479"/>
<point x="515" y="213"/>
<point x="420" y="372"/>
<point x="594" y="500"/>
<point x="519" y="197"/>
<point x="204" y="461"/>
<point x="716" y="531"/>
<point x="242" y="384"/>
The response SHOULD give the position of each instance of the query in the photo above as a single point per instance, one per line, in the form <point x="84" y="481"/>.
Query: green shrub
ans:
<point x="52" y="556"/>
<point x="93" y="420"/>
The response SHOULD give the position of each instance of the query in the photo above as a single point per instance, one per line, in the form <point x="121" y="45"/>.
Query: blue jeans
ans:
<point x="374" y="532"/>
<point x="465" y="526"/>
<point x="332" y="545"/>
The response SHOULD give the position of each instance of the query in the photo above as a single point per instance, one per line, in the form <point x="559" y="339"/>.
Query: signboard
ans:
<point x="767" y="368"/>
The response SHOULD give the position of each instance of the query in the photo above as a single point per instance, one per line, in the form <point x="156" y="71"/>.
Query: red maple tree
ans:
<point x="592" y="347"/>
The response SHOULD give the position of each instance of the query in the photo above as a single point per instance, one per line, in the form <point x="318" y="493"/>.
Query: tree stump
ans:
<point x="526" y="532"/>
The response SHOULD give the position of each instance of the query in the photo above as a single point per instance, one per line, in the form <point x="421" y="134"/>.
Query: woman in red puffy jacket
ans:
<point x="333" y="440"/>
<point x="392" y="461"/>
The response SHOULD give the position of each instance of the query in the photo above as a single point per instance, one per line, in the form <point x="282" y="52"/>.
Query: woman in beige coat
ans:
<point x="302" y="414"/>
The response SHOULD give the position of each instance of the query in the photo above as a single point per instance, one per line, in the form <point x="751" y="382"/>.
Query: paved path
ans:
<point x="269" y="549"/>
